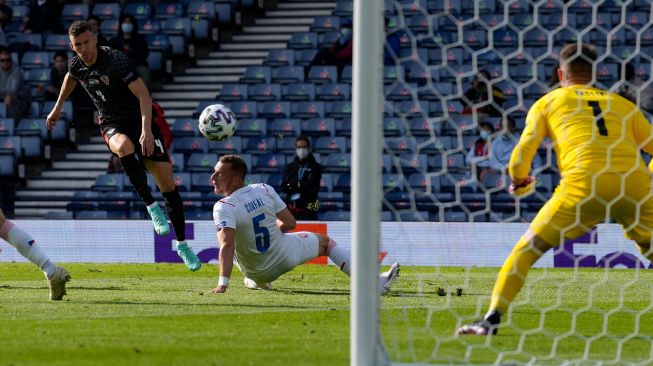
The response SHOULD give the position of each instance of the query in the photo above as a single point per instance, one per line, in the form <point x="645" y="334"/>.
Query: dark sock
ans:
<point x="135" y="170"/>
<point x="175" y="208"/>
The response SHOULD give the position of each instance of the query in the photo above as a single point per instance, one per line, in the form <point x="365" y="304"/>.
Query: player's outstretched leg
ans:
<point x="252" y="285"/>
<point x="188" y="256"/>
<point x="175" y="208"/>
<point x="28" y="248"/>
<point x="388" y="277"/>
<point x="159" y="220"/>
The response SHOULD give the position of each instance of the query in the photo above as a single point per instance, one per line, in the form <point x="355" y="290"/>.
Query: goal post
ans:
<point x="367" y="126"/>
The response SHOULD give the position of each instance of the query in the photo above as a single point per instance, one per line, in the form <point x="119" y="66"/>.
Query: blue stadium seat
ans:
<point x="393" y="127"/>
<point x="260" y="145"/>
<point x="275" y="109"/>
<point x="283" y="57"/>
<point x="116" y="201"/>
<point x="152" y="26"/>
<point x="504" y="37"/>
<point x="400" y="91"/>
<point x="323" y="74"/>
<point x="342" y="183"/>
<point x="107" y="10"/>
<point x="199" y="162"/>
<point x="109" y="182"/>
<point x="183" y="127"/>
<point x="232" y="145"/>
<point x="327" y="39"/>
<point x="11" y="145"/>
<point x="35" y="59"/>
<point x="66" y="112"/>
<point x="245" y="109"/>
<point x="339" y="109"/>
<point x="330" y="145"/>
<point x="307" y="109"/>
<point x="401" y="145"/>
<point x="326" y="183"/>
<point x="344" y="9"/>
<point x="223" y="12"/>
<point x="333" y="91"/>
<point x="298" y="92"/>
<point x="264" y="92"/>
<point x="37" y="76"/>
<point x="158" y="42"/>
<point x="270" y="163"/>
<point x="288" y="74"/>
<point x="6" y="126"/>
<point x="338" y="163"/>
<point x="256" y="74"/>
<point x="234" y="92"/>
<point x="317" y="127"/>
<point x="286" y="145"/>
<point x="411" y="163"/>
<point x="200" y="28"/>
<point x="304" y="57"/>
<point x="19" y="11"/>
<point x="192" y="200"/>
<point x="169" y="10"/>
<point x="303" y="40"/>
<point x="429" y="184"/>
<point x="32" y="127"/>
<point x="335" y="216"/>
<point x="284" y="127"/>
<point x="188" y="145"/>
<point x="139" y="10"/>
<point x="251" y="127"/>
<point x="325" y="24"/>
<point x="413" y="7"/>
<point x="58" y="215"/>
<point x="109" y="27"/>
<point x="201" y="9"/>
<point x="33" y="41"/>
<point x="177" y="161"/>
<point x="420" y="74"/>
<point x="182" y="181"/>
<point x="7" y="165"/>
<point x="177" y="26"/>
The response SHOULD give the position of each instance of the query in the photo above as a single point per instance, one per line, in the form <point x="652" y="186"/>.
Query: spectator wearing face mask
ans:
<point x="301" y="182"/>
<point x="133" y="45"/>
<point x="478" y="156"/>
<point x="340" y="52"/>
<point x="483" y="96"/>
<point x="502" y="147"/>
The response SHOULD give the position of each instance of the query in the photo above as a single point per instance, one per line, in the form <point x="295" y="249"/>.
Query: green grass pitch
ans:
<point x="161" y="314"/>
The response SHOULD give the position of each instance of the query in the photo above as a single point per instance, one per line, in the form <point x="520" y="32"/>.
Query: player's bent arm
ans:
<point x="530" y="140"/>
<point x="285" y="220"/>
<point x="67" y="88"/>
<point x="225" y="258"/>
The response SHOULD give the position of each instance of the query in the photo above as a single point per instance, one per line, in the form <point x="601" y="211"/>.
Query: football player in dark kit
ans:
<point x="125" y="108"/>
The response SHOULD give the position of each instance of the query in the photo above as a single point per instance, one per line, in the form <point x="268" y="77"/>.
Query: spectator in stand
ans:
<point x="503" y="145"/>
<point x="635" y="87"/>
<point x="57" y="74"/>
<point x="13" y="88"/>
<point x="340" y="52"/>
<point x="5" y="19"/>
<point x="478" y="156"/>
<point x="133" y="45"/>
<point x="392" y="46"/>
<point x="95" y="23"/>
<point x="483" y="97"/>
<point x="302" y="182"/>
<point x="44" y="16"/>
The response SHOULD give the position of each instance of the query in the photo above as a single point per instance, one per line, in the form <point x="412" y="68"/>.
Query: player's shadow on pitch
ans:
<point x="312" y="292"/>
<point x="108" y="288"/>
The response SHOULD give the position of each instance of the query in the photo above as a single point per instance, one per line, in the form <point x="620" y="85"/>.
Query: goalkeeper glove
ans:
<point x="525" y="188"/>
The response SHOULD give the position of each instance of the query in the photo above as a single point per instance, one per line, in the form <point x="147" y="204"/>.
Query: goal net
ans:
<point x="460" y="75"/>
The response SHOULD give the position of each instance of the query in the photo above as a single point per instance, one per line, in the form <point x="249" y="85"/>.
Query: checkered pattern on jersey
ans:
<point x="106" y="82"/>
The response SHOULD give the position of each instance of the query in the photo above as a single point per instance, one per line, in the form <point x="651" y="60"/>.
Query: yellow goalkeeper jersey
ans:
<point x="592" y="131"/>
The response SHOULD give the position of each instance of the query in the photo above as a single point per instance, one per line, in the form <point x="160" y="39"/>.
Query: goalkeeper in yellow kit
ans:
<point x="597" y="136"/>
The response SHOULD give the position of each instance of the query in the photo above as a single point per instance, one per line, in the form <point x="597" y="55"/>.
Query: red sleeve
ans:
<point x="346" y="52"/>
<point x="161" y="122"/>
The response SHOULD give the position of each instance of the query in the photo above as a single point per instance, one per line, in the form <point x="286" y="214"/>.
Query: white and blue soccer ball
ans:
<point x="217" y="122"/>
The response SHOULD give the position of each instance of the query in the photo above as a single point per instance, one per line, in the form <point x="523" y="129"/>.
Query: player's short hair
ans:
<point x="236" y="163"/>
<point x="303" y="138"/>
<point x="79" y="27"/>
<point x="579" y="58"/>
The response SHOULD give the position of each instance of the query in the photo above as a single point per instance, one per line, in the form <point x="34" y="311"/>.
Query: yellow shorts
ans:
<point x="578" y="204"/>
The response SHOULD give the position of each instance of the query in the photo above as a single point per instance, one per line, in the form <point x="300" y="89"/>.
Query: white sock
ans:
<point x="26" y="246"/>
<point x="178" y="243"/>
<point x="340" y="256"/>
<point x="153" y="205"/>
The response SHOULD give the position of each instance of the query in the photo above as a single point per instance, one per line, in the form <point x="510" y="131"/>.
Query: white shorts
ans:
<point x="294" y="249"/>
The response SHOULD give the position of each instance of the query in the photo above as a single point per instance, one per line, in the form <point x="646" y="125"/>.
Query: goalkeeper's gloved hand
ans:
<point x="523" y="189"/>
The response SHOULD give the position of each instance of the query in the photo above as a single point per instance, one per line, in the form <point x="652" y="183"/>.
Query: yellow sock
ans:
<point x="513" y="274"/>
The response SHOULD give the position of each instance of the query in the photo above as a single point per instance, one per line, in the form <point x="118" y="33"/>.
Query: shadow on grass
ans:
<point x="194" y="304"/>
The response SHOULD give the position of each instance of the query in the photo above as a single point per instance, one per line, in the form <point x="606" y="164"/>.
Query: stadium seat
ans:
<point x="201" y="9"/>
<point x="307" y="109"/>
<point x="115" y="201"/>
<point x="7" y="165"/>
<point x="107" y="10"/>
<point x="260" y="145"/>
<point x="327" y="39"/>
<point x="183" y="127"/>
<point x="11" y="145"/>
<point x="33" y="42"/>
<point x="192" y="200"/>
<point x="339" y="109"/>
<point x="342" y="183"/>
<point x="257" y="74"/>
<point x="323" y="74"/>
<point x="189" y="145"/>
<point x="66" y="112"/>
<point x="251" y="127"/>
<point x="169" y="10"/>
<point x="274" y="109"/>
<point x="6" y="127"/>
<point x="303" y="40"/>
<point x="329" y="145"/>
<point x="201" y="182"/>
<point x="316" y="127"/>
<point x="335" y="216"/>
<point x="304" y="57"/>
<point x="109" y="27"/>
<point x="264" y="92"/>
<point x="58" y="215"/>
<point x="198" y="215"/>
<point x="284" y="127"/>
<point x="298" y="92"/>
<point x="199" y="162"/>
<point x="177" y="26"/>
<point x="232" y="145"/>
<point x="325" y="24"/>
<point x="287" y="145"/>
<point x="288" y="74"/>
<point x="223" y="13"/>
<point x="344" y="9"/>
<point x="34" y="60"/>
<point x="401" y="145"/>
<point x="37" y="76"/>
<point x="32" y="127"/>
<point x="411" y="163"/>
<point x="234" y="92"/>
<point x="182" y="181"/>
<point x="244" y="109"/>
<point x="283" y="57"/>
<point x="270" y="163"/>
<point x="109" y="182"/>
<point x="338" y="163"/>
<point x="393" y="127"/>
<point x="333" y="91"/>
<point x="147" y="26"/>
<point x="326" y="183"/>
<point x="177" y="161"/>
<point x="139" y="10"/>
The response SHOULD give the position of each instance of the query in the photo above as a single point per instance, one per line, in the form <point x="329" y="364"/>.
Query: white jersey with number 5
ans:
<point x="263" y="252"/>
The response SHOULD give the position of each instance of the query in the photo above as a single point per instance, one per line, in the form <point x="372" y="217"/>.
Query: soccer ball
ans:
<point x="217" y="122"/>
